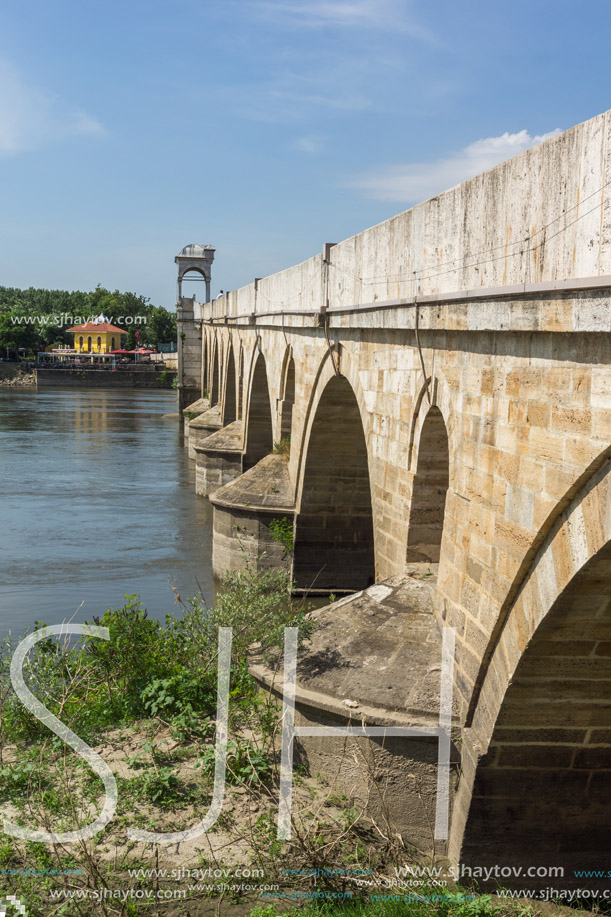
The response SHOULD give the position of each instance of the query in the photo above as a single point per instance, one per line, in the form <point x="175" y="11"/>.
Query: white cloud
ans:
<point x="311" y="145"/>
<point x="356" y="14"/>
<point x="31" y="117"/>
<point x="359" y="49"/>
<point x="335" y="99"/>
<point x="293" y="98"/>
<point x="418" y="181"/>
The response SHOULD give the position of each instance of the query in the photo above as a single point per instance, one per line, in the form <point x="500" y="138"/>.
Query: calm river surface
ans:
<point x="97" y="501"/>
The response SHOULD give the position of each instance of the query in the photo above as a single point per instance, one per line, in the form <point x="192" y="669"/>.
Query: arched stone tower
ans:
<point x="193" y="259"/>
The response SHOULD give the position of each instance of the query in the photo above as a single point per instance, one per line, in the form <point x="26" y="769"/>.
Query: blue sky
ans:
<point x="264" y="127"/>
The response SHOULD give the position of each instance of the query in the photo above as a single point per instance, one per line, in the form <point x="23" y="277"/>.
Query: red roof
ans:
<point x="91" y="328"/>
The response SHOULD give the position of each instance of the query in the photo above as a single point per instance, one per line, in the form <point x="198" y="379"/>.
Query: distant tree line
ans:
<point x="58" y="310"/>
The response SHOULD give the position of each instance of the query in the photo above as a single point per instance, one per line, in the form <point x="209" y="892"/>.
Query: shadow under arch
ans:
<point x="240" y="393"/>
<point x="230" y="397"/>
<point x="259" y="431"/>
<point x="214" y="373"/>
<point x="429" y="490"/>
<point x="334" y="533"/>
<point x="204" y="371"/>
<point x="587" y="482"/>
<point x="287" y="396"/>
<point x="540" y="795"/>
<point x="547" y="693"/>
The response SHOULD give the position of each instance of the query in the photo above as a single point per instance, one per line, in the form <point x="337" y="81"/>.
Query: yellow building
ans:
<point x="98" y="336"/>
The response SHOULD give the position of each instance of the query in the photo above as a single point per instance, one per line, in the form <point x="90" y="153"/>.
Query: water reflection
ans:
<point x="96" y="501"/>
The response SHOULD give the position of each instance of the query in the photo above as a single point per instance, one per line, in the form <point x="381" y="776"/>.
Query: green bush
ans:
<point x="166" y="377"/>
<point x="148" y="668"/>
<point x="283" y="446"/>
<point x="281" y="531"/>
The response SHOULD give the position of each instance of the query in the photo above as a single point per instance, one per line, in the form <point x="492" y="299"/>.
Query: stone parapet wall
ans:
<point x="514" y="224"/>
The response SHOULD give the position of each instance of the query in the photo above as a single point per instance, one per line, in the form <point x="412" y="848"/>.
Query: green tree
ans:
<point x="160" y="326"/>
<point x="15" y="333"/>
<point x="65" y="308"/>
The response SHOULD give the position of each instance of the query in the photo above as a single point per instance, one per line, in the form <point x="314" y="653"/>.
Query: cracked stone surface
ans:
<point x="227" y="439"/>
<point x="376" y="650"/>
<point x="266" y="485"/>
<point x="209" y="419"/>
<point x="381" y="647"/>
<point x="198" y="407"/>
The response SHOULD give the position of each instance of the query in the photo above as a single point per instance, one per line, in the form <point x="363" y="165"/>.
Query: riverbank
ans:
<point x="121" y="376"/>
<point x="20" y="380"/>
<point x="13" y="375"/>
<point x="145" y="701"/>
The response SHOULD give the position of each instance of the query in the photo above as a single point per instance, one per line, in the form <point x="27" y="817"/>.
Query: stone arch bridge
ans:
<point x="425" y="408"/>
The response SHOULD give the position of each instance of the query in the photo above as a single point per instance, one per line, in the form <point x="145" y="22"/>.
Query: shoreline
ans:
<point x="21" y="379"/>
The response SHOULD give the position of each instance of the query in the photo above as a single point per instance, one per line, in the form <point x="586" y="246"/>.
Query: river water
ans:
<point x="97" y="501"/>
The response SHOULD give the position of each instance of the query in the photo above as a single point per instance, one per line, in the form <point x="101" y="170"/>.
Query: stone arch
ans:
<point x="215" y="372"/>
<point x="287" y="396"/>
<point x="543" y="716"/>
<point x="436" y="387"/>
<point x="580" y="531"/>
<point x="259" y="439"/>
<point x="540" y="794"/>
<point x="194" y="274"/>
<point x="229" y="399"/>
<point x="551" y="526"/>
<point x="193" y="269"/>
<point x="204" y="368"/>
<point x="336" y="362"/>
<point x="241" y="382"/>
<point x="429" y="489"/>
<point x="334" y="532"/>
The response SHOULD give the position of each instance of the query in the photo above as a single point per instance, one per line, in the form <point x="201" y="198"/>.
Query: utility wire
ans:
<point x="389" y="278"/>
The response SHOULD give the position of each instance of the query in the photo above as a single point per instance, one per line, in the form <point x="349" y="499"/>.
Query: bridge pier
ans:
<point x="218" y="459"/>
<point x="192" y="411"/>
<point x="186" y="396"/>
<point x="374" y="659"/>
<point x="247" y="513"/>
<point x="202" y="427"/>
